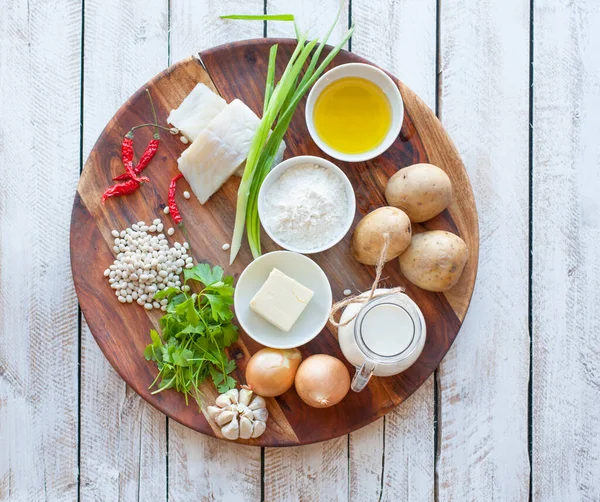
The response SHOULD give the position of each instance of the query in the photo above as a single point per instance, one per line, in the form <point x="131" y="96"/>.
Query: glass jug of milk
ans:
<point x="385" y="338"/>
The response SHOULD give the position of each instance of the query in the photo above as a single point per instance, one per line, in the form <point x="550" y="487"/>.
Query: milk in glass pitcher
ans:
<point x="385" y="338"/>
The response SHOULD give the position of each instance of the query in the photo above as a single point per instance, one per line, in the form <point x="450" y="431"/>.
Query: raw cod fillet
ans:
<point x="219" y="150"/>
<point x="196" y="111"/>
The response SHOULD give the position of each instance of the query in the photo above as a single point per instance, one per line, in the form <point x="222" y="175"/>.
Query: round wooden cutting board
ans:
<point x="122" y="331"/>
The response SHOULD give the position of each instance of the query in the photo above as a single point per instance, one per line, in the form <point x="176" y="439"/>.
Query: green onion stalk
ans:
<point x="280" y="104"/>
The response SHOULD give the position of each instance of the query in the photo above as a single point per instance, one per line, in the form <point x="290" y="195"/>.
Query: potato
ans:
<point x="434" y="260"/>
<point x="368" y="239"/>
<point x="422" y="191"/>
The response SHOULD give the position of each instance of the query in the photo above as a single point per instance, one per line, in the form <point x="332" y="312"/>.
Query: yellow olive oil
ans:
<point x="352" y="115"/>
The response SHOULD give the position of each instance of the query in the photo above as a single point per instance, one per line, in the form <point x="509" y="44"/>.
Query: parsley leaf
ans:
<point x="204" y="274"/>
<point x="220" y="306"/>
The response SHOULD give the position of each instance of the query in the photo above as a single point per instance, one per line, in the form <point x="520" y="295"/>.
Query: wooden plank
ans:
<point x="123" y="439"/>
<point x="313" y="20"/>
<point x="200" y="466"/>
<point x="320" y="471"/>
<point x="205" y="468"/>
<point x="39" y="157"/>
<point x="395" y="460"/>
<point x="306" y="473"/>
<point x="483" y="381"/>
<point x="566" y="251"/>
<point x="195" y="26"/>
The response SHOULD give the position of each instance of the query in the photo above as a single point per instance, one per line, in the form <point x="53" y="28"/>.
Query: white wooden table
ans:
<point x="513" y="412"/>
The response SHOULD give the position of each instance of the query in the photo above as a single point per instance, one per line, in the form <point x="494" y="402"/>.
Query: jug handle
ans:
<point x="362" y="376"/>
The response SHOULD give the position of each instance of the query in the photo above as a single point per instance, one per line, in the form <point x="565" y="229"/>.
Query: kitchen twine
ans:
<point x="361" y="299"/>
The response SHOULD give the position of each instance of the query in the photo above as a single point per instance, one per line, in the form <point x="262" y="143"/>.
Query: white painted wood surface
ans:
<point x="483" y="380"/>
<point x="566" y="258"/>
<point x="39" y="166"/>
<point x="123" y="439"/>
<point x="113" y="446"/>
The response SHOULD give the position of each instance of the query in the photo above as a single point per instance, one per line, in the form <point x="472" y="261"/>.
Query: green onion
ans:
<point x="270" y="77"/>
<point x="279" y="107"/>
<point x="273" y="17"/>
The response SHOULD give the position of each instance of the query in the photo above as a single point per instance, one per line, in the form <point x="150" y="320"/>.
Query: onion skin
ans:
<point x="271" y="372"/>
<point x="322" y="381"/>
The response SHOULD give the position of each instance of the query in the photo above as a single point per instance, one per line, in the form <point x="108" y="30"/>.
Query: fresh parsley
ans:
<point x="195" y="332"/>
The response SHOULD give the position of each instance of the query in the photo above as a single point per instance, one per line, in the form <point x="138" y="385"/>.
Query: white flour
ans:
<point x="306" y="207"/>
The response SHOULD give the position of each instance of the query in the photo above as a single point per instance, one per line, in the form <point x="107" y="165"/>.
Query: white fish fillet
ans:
<point x="219" y="150"/>
<point x="196" y="111"/>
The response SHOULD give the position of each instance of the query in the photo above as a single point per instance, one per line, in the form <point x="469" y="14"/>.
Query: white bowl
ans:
<point x="277" y="171"/>
<point x="380" y="79"/>
<point x="312" y="320"/>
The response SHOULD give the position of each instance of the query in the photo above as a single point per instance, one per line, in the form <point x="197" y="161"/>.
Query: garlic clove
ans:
<point x="245" y="396"/>
<point x="246" y="428"/>
<point x="261" y="414"/>
<point x="247" y="413"/>
<point x="223" y="401"/>
<point x="214" y="412"/>
<point x="231" y="430"/>
<point x="257" y="402"/>
<point x="259" y="428"/>
<point x="233" y="395"/>
<point x="225" y="417"/>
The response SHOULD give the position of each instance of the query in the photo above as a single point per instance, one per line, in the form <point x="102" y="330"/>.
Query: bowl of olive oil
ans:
<point x="354" y="112"/>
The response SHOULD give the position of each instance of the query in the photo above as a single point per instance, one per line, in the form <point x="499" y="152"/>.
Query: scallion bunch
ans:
<point x="280" y="103"/>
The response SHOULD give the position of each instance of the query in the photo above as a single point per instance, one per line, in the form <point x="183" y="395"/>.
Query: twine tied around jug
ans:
<point x="361" y="299"/>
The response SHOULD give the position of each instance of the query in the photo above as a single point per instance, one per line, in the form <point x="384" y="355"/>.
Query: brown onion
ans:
<point x="322" y="381"/>
<point x="270" y="372"/>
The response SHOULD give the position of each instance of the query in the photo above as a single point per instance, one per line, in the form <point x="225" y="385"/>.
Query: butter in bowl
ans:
<point x="282" y="300"/>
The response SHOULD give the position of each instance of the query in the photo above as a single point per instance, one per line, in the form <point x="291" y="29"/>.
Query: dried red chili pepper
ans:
<point x="126" y="188"/>
<point x="127" y="157"/>
<point x="144" y="159"/>
<point x="173" y="209"/>
<point x="150" y="149"/>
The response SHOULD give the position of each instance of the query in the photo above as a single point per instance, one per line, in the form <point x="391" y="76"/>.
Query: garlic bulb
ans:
<point x="240" y="414"/>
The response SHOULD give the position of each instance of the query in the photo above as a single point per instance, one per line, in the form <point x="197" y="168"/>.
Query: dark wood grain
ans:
<point x="238" y="71"/>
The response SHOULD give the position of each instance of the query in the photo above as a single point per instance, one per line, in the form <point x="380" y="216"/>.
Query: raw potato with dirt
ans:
<point x="434" y="261"/>
<point x="369" y="235"/>
<point x="422" y="191"/>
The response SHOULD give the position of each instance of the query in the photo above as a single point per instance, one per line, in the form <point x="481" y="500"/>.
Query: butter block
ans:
<point x="281" y="300"/>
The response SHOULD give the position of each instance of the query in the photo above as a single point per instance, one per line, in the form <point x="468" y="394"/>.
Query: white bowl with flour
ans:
<point x="306" y="204"/>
